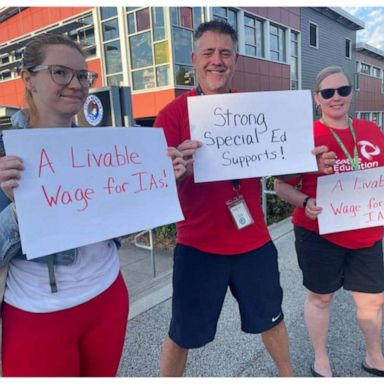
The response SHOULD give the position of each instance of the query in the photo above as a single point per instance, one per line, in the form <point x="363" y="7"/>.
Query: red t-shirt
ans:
<point x="365" y="131"/>
<point x="208" y="224"/>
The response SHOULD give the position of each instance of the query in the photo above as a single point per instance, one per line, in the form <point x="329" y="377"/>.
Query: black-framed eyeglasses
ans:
<point x="343" y="91"/>
<point x="63" y="75"/>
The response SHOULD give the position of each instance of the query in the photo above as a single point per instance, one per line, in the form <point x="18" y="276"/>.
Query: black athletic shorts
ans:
<point x="327" y="267"/>
<point x="200" y="283"/>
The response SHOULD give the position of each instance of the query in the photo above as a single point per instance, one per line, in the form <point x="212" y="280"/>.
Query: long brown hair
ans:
<point x="34" y="54"/>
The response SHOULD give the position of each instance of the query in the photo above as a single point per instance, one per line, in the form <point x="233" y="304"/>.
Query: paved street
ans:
<point x="234" y="353"/>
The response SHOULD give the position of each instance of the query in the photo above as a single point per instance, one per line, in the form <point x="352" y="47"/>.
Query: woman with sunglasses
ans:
<point x="63" y="314"/>
<point x="350" y="259"/>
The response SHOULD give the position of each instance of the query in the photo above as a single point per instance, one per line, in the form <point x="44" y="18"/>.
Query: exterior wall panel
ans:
<point x="289" y="16"/>
<point x="331" y="47"/>
<point x="34" y="18"/>
<point x="370" y="97"/>
<point x="254" y="75"/>
<point x="149" y="104"/>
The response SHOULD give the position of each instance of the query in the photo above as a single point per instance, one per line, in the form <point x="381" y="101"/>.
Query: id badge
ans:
<point x="239" y="211"/>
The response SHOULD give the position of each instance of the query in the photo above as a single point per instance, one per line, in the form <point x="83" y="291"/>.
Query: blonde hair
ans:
<point x="325" y="72"/>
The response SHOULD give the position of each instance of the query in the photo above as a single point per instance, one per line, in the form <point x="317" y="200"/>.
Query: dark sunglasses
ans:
<point x="343" y="91"/>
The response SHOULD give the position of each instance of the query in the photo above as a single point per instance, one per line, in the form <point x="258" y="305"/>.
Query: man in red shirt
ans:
<point x="212" y="253"/>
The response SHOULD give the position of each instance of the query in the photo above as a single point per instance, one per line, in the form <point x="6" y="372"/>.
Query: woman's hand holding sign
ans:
<point x="10" y="171"/>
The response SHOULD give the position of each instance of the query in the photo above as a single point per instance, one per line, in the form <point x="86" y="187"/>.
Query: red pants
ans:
<point x="86" y="340"/>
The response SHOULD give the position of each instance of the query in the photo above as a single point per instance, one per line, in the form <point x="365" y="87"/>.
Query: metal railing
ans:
<point x="150" y="247"/>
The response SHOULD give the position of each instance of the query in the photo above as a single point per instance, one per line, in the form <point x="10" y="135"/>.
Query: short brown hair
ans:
<point x="217" y="26"/>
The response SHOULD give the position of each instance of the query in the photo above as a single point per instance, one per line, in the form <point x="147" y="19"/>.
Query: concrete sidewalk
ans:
<point x="234" y="353"/>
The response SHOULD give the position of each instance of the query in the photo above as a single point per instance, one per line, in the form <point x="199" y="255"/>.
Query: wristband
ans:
<point x="306" y="201"/>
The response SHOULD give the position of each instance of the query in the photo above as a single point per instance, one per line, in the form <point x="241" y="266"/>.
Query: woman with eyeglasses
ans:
<point x="350" y="259"/>
<point x="63" y="314"/>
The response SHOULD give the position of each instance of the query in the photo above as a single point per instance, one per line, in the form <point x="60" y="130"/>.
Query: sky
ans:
<point x="373" y="17"/>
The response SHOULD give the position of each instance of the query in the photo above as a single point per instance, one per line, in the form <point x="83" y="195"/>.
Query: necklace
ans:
<point x="354" y="162"/>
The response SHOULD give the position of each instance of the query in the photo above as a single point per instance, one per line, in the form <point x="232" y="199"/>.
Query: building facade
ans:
<point x="149" y="48"/>
<point x="369" y="83"/>
<point x="328" y="38"/>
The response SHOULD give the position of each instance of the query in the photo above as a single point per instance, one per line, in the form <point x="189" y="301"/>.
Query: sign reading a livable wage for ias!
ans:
<point x="351" y="200"/>
<point x="252" y="134"/>
<point x="84" y="185"/>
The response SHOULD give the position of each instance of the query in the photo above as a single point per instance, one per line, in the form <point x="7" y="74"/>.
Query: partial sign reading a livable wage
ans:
<point x="351" y="200"/>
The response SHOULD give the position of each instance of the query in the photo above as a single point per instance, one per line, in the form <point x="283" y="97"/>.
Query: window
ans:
<point x="182" y="45"/>
<point x="357" y="82"/>
<point x="365" y="68"/>
<point x="141" y="50"/>
<point x="4" y="59"/>
<point x="110" y="30"/>
<point x="142" y="20"/>
<point x="254" y="36"/>
<point x="376" y="117"/>
<point x="5" y="75"/>
<point x="115" y="79"/>
<point x="198" y="17"/>
<point x="226" y="14"/>
<point x="19" y="53"/>
<point x="112" y="57"/>
<point x="149" y="47"/>
<point x="158" y="23"/>
<point x="313" y="35"/>
<point x="107" y="12"/>
<point x="348" y="48"/>
<point x="85" y="36"/>
<point x="182" y="16"/>
<point x="111" y="44"/>
<point x="162" y="75"/>
<point x="277" y="43"/>
<point x="184" y="21"/>
<point x="184" y="75"/>
<point x="294" y="60"/>
<point x="143" y="79"/>
<point x="364" y="115"/>
<point x="376" y="72"/>
<point x="161" y="51"/>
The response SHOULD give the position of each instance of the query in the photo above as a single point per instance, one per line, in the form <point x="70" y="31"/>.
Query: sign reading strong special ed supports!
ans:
<point x="351" y="200"/>
<point x="252" y="134"/>
<point x="84" y="185"/>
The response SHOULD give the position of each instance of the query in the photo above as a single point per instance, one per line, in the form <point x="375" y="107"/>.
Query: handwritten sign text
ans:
<point x="252" y="134"/>
<point x="83" y="185"/>
<point x="351" y="200"/>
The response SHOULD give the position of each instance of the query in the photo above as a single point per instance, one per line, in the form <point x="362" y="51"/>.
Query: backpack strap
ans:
<point x="51" y="273"/>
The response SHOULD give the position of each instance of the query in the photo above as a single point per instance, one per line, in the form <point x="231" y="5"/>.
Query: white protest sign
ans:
<point x="84" y="185"/>
<point x="252" y="134"/>
<point x="351" y="200"/>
